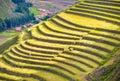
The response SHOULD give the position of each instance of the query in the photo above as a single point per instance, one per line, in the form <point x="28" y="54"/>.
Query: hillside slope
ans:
<point x="14" y="15"/>
<point x="108" y="72"/>
<point x="67" y="47"/>
<point x="6" y="8"/>
<point x="52" y="5"/>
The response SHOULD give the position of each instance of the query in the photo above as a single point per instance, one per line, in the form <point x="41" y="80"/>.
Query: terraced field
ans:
<point x="66" y="47"/>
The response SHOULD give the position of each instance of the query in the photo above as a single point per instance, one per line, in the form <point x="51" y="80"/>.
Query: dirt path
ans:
<point x="3" y="37"/>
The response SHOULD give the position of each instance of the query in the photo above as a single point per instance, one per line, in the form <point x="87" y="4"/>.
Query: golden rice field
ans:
<point x="67" y="47"/>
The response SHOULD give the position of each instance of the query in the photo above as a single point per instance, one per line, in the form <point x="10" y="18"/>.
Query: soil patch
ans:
<point x="3" y="37"/>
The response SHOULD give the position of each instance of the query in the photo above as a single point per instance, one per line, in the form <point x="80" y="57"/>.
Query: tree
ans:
<point x="2" y="25"/>
<point x="18" y="1"/>
<point x="23" y="16"/>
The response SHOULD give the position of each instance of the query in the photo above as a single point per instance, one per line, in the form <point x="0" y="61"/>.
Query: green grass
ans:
<point x="7" y="35"/>
<point x="10" y="33"/>
<point x="35" y="11"/>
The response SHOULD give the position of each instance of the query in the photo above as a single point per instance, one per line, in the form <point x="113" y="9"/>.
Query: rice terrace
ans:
<point x="80" y="43"/>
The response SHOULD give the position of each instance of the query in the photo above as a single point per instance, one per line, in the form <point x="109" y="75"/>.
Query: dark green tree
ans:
<point x="2" y="25"/>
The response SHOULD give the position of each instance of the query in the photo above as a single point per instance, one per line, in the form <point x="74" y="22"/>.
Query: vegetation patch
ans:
<point x="11" y="41"/>
<point x="35" y="11"/>
<point x="108" y="72"/>
<point x="4" y="36"/>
